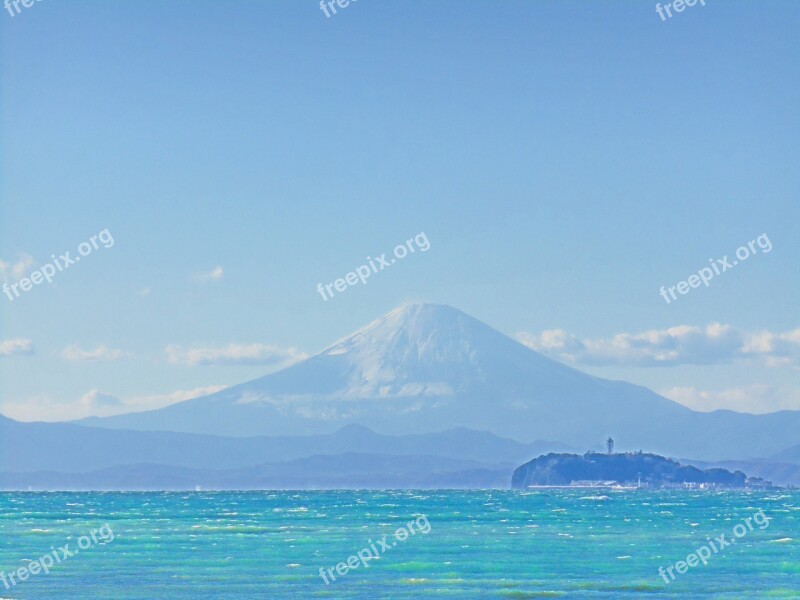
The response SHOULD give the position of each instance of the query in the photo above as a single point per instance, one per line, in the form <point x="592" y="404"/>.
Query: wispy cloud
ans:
<point x="681" y="345"/>
<point x="16" y="347"/>
<point x="95" y="403"/>
<point x="778" y="349"/>
<point x="234" y="354"/>
<point x="16" y="270"/>
<point x="96" y="400"/>
<point x="100" y="353"/>
<point x="215" y="274"/>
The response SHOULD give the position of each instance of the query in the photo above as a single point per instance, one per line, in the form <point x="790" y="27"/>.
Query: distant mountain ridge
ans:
<point x="69" y="448"/>
<point x="336" y="471"/>
<point x="63" y="456"/>
<point x="425" y="368"/>
<point x="789" y="455"/>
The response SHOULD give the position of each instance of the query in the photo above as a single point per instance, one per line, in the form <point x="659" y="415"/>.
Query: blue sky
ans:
<point x="564" y="159"/>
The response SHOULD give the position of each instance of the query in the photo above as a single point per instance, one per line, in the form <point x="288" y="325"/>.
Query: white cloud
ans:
<point x="215" y="274"/>
<point x="97" y="400"/>
<point x="753" y="399"/>
<point x="681" y="345"/>
<point x="95" y="403"/>
<point x="14" y="271"/>
<point x="99" y="353"/>
<point x="16" y="347"/>
<point x="555" y="342"/>
<point x="778" y="349"/>
<point x="234" y="354"/>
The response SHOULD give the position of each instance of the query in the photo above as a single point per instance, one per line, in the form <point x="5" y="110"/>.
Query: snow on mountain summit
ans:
<point x="419" y="349"/>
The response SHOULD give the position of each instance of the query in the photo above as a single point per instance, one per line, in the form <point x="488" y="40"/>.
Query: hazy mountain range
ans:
<point x="457" y="404"/>
<point x="428" y="368"/>
<point x="66" y="447"/>
<point x="42" y="456"/>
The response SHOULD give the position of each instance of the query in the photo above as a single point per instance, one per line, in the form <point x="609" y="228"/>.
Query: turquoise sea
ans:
<point x="479" y="544"/>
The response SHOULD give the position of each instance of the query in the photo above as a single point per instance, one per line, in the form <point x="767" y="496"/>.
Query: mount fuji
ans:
<point x="425" y="368"/>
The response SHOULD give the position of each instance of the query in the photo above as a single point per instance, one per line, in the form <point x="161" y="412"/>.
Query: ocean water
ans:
<point x="479" y="544"/>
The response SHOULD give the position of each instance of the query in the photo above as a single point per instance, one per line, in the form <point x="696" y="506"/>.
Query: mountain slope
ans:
<point x="789" y="455"/>
<point x="424" y="368"/>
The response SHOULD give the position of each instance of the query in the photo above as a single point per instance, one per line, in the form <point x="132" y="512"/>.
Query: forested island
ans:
<point x="625" y="470"/>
